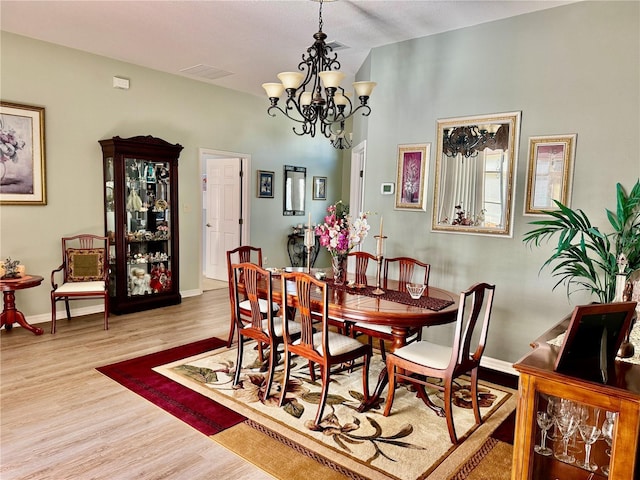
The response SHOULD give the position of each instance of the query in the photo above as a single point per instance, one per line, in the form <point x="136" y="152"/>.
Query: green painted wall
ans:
<point x="571" y="69"/>
<point x="82" y="107"/>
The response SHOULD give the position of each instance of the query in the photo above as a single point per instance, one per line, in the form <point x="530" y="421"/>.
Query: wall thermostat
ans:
<point x="387" y="188"/>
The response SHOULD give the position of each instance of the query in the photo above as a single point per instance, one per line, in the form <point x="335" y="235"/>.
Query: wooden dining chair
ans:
<point x="406" y="267"/>
<point x="243" y="254"/>
<point x="324" y="347"/>
<point x="85" y="274"/>
<point x="263" y="327"/>
<point x="362" y="263"/>
<point x="421" y="362"/>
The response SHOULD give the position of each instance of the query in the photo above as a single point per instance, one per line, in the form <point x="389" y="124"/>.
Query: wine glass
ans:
<point x="553" y="408"/>
<point x="567" y="424"/>
<point x="589" y="434"/>
<point x="545" y="421"/>
<point x="607" y="433"/>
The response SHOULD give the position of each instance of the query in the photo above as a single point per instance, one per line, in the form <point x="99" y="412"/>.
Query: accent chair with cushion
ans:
<point x="421" y="362"/>
<point x="85" y="274"/>
<point x="323" y="347"/>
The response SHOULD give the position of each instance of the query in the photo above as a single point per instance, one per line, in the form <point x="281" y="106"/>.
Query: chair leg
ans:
<point x="474" y="395"/>
<point x="285" y="380"/>
<point x="53" y="315"/>
<point x="312" y="371"/>
<point x="391" y="388"/>
<point x="236" y="377"/>
<point x="365" y="377"/>
<point x="325" y="390"/>
<point x="382" y="350"/>
<point x="232" y="331"/>
<point x="66" y="304"/>
<point x="448" y="411"/>
<point x="106" y="314"/>
<point x="273" y="359"/>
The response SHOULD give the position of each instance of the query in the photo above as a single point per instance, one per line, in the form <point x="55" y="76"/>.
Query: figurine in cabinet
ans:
<point x="160" y="278"/>
<point x="140" y="282"/>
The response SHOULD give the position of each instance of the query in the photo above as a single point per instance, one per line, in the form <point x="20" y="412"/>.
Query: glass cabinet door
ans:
<point x="110" y="219"/>
<point x="147" y="227"/>
<point x="572" y="439"/>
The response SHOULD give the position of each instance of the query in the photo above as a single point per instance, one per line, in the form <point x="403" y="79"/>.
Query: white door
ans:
<point x="356" y="196"/>
<point x="223" y="205"/>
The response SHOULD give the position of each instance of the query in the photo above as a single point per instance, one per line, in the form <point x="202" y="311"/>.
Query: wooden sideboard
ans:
<point x="621" y="394"/>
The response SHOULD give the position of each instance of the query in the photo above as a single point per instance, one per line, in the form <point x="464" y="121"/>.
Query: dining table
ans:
<point x="393" y="308"/>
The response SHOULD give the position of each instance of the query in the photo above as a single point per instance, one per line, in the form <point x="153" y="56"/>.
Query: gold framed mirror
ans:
<point x="476" y="161"/>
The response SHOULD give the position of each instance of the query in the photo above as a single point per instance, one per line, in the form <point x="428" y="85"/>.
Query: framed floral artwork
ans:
<point x="550" y="172"/>
<point x="413" y="165"/>
<point x="319" y="188"/>
<point x="22" y="168"/>
<point x="265" y="184"/>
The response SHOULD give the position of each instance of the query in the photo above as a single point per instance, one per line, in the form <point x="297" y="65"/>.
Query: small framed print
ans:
<point x="319" y="188"/>
<point x="265" y="184"/>
<point x="413" y="165"/>
<point x="387" y="188"/>
<point x="22" y="172"/>
<point x="550" y="173"/>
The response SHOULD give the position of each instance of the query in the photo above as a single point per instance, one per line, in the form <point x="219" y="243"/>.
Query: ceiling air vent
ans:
<point x="206" y="71"/>
<point x="336" y="45"/>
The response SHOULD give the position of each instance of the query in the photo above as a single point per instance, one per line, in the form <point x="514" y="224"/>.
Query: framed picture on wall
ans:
<point x="22" y="169"/>
<point x="550" y="172"/>
<point x="265" y="184"/>
<point x="319" y="188"/>
<point x="413" y="165"/>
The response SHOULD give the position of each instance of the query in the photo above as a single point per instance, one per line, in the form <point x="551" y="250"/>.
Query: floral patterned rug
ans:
<point x="410" y="444"/>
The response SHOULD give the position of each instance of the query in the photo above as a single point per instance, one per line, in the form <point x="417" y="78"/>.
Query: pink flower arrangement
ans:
<point x="340" y="232"/>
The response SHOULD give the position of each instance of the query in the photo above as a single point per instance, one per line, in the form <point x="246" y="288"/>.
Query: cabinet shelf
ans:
<point x="140" y="192"/>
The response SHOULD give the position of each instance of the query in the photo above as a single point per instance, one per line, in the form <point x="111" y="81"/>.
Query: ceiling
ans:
<point x="247" y="41"/>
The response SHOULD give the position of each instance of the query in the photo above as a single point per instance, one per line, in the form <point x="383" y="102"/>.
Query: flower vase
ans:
<point x="339" y="266"/>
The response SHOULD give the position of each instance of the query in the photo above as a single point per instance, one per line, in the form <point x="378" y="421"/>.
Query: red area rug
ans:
<point x="202" y="413"/>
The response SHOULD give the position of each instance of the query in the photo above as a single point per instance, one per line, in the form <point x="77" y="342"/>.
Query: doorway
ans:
<point x="225" y="208"/>
<point x="356" y="188"/>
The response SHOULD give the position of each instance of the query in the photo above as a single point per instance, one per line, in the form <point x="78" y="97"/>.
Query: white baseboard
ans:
<point x="498" y="365"/>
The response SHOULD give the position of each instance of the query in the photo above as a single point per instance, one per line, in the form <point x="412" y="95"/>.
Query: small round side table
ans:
<point x="11" y="314"/>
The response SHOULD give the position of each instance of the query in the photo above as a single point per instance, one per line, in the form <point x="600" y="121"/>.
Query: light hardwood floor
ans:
<point x="61" y="419"/>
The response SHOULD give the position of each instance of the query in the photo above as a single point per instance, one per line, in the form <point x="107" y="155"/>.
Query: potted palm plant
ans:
<point x="586" y="258"/>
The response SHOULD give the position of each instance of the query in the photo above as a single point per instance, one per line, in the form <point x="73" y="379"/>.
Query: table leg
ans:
<point x="11" y="315"/>
<point x="399" y="340"/>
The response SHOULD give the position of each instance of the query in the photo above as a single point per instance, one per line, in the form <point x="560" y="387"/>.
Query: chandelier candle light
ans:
<point x="379" y="253"/>
<point x="311" y="106"/>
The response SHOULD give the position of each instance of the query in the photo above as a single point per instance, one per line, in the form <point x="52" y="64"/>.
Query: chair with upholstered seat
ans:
<point x="324" y="347"/>
<point x="421" y="362"/>
<point x="264" y="328"/>
<point x="243" y="254"/>
<point x="85" y="274"/>
<point x="406" y="267"/>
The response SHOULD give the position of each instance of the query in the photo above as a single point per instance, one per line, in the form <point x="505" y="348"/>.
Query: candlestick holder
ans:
<point x="309" y="243"/>
<point x="379" y="257"/>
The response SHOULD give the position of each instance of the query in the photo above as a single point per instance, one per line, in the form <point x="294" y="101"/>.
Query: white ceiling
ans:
<point x="251" y="39"/>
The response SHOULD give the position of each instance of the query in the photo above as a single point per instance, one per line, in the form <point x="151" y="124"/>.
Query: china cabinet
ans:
<point x="617" y="403"/>
<point x="141" y="220"/>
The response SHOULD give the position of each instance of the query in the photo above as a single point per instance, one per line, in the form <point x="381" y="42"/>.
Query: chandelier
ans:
<point x="341" y="139"/>
<point x="311" y="106"/>
<point x="468" y="140"/>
